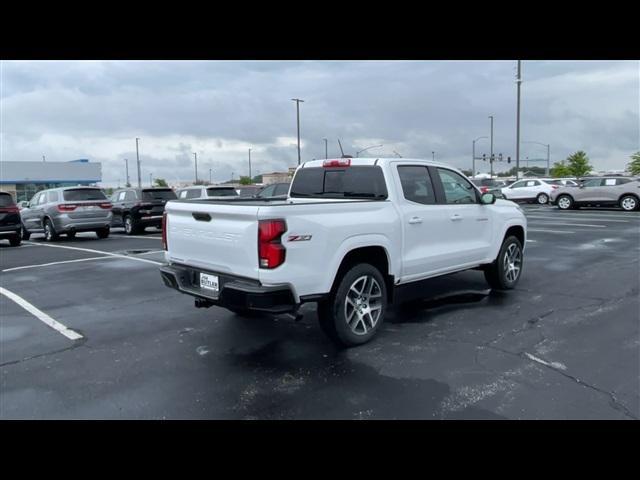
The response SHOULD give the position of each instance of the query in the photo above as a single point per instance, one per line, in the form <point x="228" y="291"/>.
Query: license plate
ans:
<point x="209" y="282"/>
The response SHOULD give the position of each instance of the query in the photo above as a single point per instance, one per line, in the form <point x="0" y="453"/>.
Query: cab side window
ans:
<point x="193" y="193"/>
<point x="416" y="184"/>
<point x="519" y="184"/>
<point x="457" y="190"/>
<point x="267" y="191"/>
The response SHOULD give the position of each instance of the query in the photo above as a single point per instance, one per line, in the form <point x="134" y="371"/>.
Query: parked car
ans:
<point x="67" y="211"/>
<point x="563" y="182"/>
<point x="248" y="191"/>
<point x="203" y="191"/>
<point x="623" y="192"/>
<point x="274" y="190"/>
<point x="489" y="185"/>
<point x="10" y="222"/>
<point x="530" y="190"/>
<point x="354" y="235"/>
<point x="138" y="208"/>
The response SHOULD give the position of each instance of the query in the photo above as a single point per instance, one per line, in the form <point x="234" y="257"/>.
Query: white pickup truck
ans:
<point x="354" y="235"/>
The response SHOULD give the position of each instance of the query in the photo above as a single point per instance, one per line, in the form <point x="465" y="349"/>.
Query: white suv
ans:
<point x="204" y="191"/>
<point x="538" y="190"/>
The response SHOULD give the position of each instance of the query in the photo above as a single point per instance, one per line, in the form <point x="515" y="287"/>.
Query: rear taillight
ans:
<point x="271" y="252"/>
<point x="10" y="209"/>
<point x="67" y="207"/>
<point x="484" y="189"/>
<point x="106" y="205"/>
<point x="164" y="231"/>
<point x="342" y="162"/>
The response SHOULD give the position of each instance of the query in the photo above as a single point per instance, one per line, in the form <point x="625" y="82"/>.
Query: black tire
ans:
<point x="25" y="235"/>
<point x="565" y="202"/>
<point x="131" y="227"/>
<point x="629" y="203"/>
<point x="542" y="199"/>
<point x="71" y="234"/>
<point x="495" y="273"/>
<point x="50" y="234"/>
<point x="16" y="240"/>
<point x="364" y="324"/>
<point x="103" y="232"/>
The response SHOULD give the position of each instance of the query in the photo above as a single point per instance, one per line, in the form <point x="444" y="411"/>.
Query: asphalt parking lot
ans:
<point x="88" y="331"/>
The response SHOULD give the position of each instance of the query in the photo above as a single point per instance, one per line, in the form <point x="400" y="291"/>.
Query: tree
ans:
<point x="578" y="164"/>
<point x="257" y="179"/>
<point x="634" y="165"/>
<point x="160" y="182"/>
<point x="467" y="172"/>
<point x="245" y="181"/>
<point x="560" y="169"/>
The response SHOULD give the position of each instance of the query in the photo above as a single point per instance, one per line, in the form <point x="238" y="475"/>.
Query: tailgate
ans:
<point x="216" y="237"/>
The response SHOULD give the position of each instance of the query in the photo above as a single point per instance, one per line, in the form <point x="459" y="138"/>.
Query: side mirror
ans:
<point x="488" y="199"/>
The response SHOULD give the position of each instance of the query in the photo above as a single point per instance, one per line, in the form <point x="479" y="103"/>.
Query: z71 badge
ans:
<point x="299" y="238"/>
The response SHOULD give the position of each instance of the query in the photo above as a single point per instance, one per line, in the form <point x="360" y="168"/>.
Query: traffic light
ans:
<point x="484" y="157"/>
<point x="508" y="159"/>
<point x="500" y="156"/>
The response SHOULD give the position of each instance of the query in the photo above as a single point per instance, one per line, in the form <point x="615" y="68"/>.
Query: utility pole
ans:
<point x="43" y="158"/>
<point x="433" y="156"/>
<point x="195" y="156"/>
<point x="548" y="149"/>
<point x="126" y="167"/>
<point x="151" y="179"/>
<point x="250" y="159"/>
<point x="209" y="176"/>
<point x="326" y="149"/>
<point x="491" y="152"/>
<point x="297" y="100"/>
<point x="518" y="81"/>
<point x="138" y="161"/>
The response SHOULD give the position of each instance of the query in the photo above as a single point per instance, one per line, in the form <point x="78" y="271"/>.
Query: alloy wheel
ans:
<point x="363" y="304"/>
<point x="629" y="204"/>
<point x="564" y="203"/>
<point x="542" y="199"/>
<point x="512" y="263"/>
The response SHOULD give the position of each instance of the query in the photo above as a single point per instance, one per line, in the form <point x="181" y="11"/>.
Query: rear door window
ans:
<point x="416" y="184"/>
<point x="83" y="194"/>
<point x="52" y="197"/>
<point x="457" y="190"/>
<point x="361" y="181"/>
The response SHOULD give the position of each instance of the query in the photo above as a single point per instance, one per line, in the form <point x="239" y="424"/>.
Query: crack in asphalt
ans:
<point x="77" y="343"/>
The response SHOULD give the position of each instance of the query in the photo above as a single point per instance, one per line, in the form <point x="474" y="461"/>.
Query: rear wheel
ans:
<point x="505" y="271"/>
<point x="50" y="234"/>
<point x="565" y="202"/>
<point x="352" y="315"/>
<point x="629" y="203"/>
<point x="542" y="198"/>
<point x="16" y="240"/>
<point x="25" y="235"/>
<point x="103" y="232"/>
<point x="130" y="225"/>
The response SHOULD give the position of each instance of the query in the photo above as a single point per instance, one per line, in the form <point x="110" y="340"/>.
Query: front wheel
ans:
<point x="629" y="203"/>
<point x="505" y="271"/>
<point x="564" y="202"/>
<point x="542" y="198"/>
<point x="130" y="225"/>
<point x="25" y="234"/>
<point x="352" y="315"/>
<point x="50" y="234"/>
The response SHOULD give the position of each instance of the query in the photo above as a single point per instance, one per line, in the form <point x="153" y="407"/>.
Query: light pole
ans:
<point x="364" y="149"/>
<point x="195" y="157"/>
<point x="151" y="179"/>
<point x="548" y="151"/>
<point x="297" y="100"/>
<point x="433" y="155"/>
<point x="250" y="162"/>
<point x="326" y="148"/>
<point x="491" y="151"/>
<point x="138" y="162"/>
<point x="473" y="154"/>
<point x="210" y="176"/>
<point x="518" y="81"/>
<point x="43" y="158"/>
<point x="126" y="167"/>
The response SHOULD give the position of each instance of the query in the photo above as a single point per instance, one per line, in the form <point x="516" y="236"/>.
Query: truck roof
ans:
<point x="375" y="161"/>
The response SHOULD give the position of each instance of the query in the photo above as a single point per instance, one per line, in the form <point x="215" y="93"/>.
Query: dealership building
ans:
<point x="24" y="179"/>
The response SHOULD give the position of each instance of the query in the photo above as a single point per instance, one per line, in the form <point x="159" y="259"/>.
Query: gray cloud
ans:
<point x="69" y="110"/>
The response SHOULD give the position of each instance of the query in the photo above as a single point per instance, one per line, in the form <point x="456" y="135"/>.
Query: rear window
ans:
<point x="6" y="200"/>
<point x="81" y="194"/>
<point x="155" y="194"/>
<point x="222" y="192"/>
<point x="362" y="181"/>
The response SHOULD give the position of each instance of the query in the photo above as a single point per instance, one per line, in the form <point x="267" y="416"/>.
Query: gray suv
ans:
<point x="66" y="211"/>
<point x="623" y="192"/>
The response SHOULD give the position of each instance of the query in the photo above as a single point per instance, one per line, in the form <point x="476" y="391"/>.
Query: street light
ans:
<point x="195" y="156"/>
<point x="151" y="179"/>
<point x="519" y="82"/>
<point x="473" y="155"/>
<point x="364" y="149"/>
<point x="250" y="161"/>
<point x="433" y="155"/>
<point x="326" y="149"/>
<point x="548" y="151"/>
<point x="297" y="100"/>
<point x="138" y="161"/>
<point x="126" y="166"/>
<point x="491" y="151"/>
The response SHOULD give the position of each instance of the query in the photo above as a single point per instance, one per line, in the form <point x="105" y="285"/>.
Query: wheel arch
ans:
<point x="376" y="255"/>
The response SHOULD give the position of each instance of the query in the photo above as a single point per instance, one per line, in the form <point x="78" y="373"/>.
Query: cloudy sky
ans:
<point x="80" y="109"/>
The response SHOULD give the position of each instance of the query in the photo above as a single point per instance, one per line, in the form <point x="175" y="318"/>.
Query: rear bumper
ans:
<point x="64" y="223"/>
<point x="150" y="220"/>
<point x="10" y="230"/>
<point x="234" y="293"/>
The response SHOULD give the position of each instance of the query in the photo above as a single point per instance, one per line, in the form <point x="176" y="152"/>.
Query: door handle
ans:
<point x="455" y="217"/>
<point x="414" y="220"/>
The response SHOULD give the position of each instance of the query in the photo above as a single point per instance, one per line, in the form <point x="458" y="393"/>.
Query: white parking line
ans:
<point x="43" y="317"/>
<point x="56" y="263"/>
<point x="577" y="217"/>
<point x="141" y="237"/>
<point x="550" y="231"/>
<point x="90" y="250"/>
<point x="537" y="222"/>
